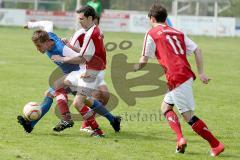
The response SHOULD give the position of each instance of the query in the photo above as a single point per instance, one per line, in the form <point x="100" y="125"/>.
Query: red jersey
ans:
<point x="77" y="38"/>
<point x="92" y="48"/>
<point x="170" y="47"/>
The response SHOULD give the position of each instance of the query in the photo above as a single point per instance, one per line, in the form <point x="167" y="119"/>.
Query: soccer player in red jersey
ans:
<point x="76" y="43"/>
<point x="170" y="47"/>
<point x="93" y="54"/>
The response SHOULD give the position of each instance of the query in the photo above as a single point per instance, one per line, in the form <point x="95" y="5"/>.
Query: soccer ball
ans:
<point x="32" y="111"/>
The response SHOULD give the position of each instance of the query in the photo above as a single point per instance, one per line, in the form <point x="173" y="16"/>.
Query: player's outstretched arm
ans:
<point x="70" y="60"/>
<point x="199" y="63"/>
<point x="74" y="60"/>
<point x="44" y="25"/>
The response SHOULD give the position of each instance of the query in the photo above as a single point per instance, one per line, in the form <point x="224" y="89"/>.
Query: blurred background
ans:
<point x="207" y="6"/>
<point x="195" y="17"/>
<point x="25" y="76"/>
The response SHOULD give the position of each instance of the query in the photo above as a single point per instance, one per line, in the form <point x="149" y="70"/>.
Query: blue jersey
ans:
<point x="57" y="49"/>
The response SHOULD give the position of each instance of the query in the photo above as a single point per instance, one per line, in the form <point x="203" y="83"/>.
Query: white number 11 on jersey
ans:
<point x="170" y="40"/>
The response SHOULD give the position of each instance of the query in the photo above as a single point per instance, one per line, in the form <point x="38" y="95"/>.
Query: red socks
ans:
<point x="62" y="102"/>
<point x="89" y="117"/>
<point x="197" y="125"/>
<point x="173" y="121"/>
<point x="201" y="129"/>
<point x="86" y="112"/>
<point x="84" y="124"/>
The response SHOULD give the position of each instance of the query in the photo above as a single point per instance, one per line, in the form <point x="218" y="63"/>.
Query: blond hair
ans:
<point x="40" y="36"/>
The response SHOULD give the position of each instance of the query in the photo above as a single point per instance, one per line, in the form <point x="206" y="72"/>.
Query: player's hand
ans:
<point x="136" y="67"/>
<point x="204" y="78"/>
<point x="57" y="58"/>
<point x="65" y="40"/>
<point x="69" y="45"/>
<point x="85" y="75"/>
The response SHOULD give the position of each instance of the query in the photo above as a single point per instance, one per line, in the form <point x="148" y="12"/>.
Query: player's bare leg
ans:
<point x="202" y="130"/>
<point x="104" y="94"/>
<point x="174" y="123"/>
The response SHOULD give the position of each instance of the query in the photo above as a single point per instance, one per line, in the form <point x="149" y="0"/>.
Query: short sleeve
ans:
<point x="88" y="47"/>
<point x="149" y="47"/>
<point x="44" y="25"/>
<point x="190" y="45"/>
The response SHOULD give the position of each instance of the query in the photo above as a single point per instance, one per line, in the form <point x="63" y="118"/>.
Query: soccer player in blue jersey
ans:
<point x="52" y="45"/>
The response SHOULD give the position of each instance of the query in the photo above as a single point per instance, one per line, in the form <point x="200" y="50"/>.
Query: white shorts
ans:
<point x="86" y="84"/>
<point x="182" y="97"/>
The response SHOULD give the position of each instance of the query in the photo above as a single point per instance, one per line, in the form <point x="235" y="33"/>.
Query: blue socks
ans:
<point x="45" y="106"/>
<point x="100" y="109"/>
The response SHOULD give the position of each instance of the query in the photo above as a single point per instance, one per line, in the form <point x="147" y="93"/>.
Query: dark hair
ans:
<point x="40" y="36"/>
<point x="87" y="11"/>
<point x="159" y="12"/>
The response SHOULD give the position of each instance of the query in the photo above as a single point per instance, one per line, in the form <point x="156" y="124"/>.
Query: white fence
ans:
<point x="132" y="21"/>
<point x="12" y="17"/>
<point x="126" y="21"/>
<point x="206" y="25"/>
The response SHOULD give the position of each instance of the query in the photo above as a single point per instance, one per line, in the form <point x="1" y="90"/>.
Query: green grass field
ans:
<point x="24" y="77"/>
